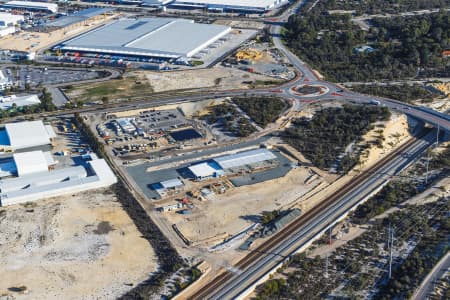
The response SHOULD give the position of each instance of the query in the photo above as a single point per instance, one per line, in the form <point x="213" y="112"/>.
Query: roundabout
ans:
<point x="309" y="90"/>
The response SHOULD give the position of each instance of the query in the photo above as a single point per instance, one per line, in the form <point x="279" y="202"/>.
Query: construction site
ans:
<point x="260" y="58"/>
<point x="208" y="188"/>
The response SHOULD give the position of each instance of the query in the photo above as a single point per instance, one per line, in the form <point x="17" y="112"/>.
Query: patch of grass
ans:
<point x="127" y="87"/>
<point x="101" y="90"/>
<point x="197" y="63"/>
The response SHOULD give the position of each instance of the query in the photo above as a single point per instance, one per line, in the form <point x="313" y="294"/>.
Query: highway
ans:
<point x="264" y="259"/>
<point x="297" y="234"/>
<point x="439" y="270"/>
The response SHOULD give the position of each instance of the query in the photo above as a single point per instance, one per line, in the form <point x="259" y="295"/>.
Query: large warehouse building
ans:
<point x="34" y="182"/>
<point x="246" y="6"/>
<point x="31" y="6"/>
<point x="148" y="37"/>
<point x="25" y="135"/>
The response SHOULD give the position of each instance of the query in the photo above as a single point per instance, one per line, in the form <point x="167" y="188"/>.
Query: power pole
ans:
<point x="326" y="267"/>
<point x="329" y="237"/>
<point x="391" y="246"/>
<point x="428" y="163"/>
<point x="437" y="136"/>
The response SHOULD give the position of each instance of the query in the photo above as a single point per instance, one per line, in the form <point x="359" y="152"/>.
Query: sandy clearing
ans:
<point x="237" y="208"/>
<point x="218" y="77"/>
<point x="57" y="252"/>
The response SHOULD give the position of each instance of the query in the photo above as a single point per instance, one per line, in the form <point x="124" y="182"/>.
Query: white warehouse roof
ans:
<point x="7" y="19"/>
<point x="53" y="7"/>
<point x="8" y="101"/>
<point x="30" y="162"/>
<point x="69" y="180"/>
<point x="28" y="134"/>
<point x="171" y="183"/>
<point x="243" y="5"/>
<point x="202" y="170"/>
<point x="151" y="37"/>
<point x="244" y="158"/>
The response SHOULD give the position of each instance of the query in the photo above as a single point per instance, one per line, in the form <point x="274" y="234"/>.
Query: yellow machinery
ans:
<point x="249" y="54"/>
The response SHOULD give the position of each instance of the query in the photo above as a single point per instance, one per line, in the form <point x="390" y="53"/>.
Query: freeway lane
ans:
<point x="237" y="284"/>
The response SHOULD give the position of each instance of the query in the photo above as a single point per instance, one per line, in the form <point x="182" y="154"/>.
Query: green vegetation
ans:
<point x="229" y="118"/>
<point x="269" y="216"/>
<point x="403" y="45"/>
<point x="271" y="289"/>
<point x="405" y="92"/>
<point x="441" y="160"/>
<point x="262" y="110"/>
<point x="124" y="88"/>
<point x="393" y="194"/>
<point x="196" y="63"/>
<point x="357" y="265"/>
<point x="324" y="138"/>
<point x="372" y="7"/>
<point x="431" y="248"/>
<point x="45" y="105"/>
<point x="101" y="90"/>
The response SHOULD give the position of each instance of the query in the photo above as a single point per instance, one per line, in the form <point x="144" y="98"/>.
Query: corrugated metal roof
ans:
<point x="78" y="17"/>
<point x="31" y="4"/>
<point x="171" y="183"/>
<point x="103" y="171"/>
<point x="27" y="134"/>
<point x="8" y="101"/>
<point x="30" y="162"/>
<point x="202" y="170"/>
<point x="244" y="158"/>
<point x="164" y="37"/>
<point x="264" y="4"/>
<point x="40" y="179"/>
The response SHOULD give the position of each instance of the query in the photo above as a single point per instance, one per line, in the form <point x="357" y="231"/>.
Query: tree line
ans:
<point x="403" y="47"/>
<point x="372" y="7"/>
<point x="262" y="110"/>
<point x="323" y="138"/>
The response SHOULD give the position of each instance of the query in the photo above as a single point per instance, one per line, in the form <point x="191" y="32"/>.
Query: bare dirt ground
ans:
<point x="79" y="247"/>
<point x="395" y="132"/>
<point x="217" y="77"/>
<point x="35" y="41"/>
<point x="237" y="208"/>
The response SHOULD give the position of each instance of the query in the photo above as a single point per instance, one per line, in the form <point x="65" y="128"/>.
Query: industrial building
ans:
<point x="155" y="3"/>
<point x="31" y="6"/>
<point x="217" y="166"/>
<point x="79" y="18"/>
<point x="164" y="187"/>
<point x="244" y="158"/>
<point x="37" y="184"/>
<point x="239" y="6"/>
<point x="7" y="19"/>
<point x="26" y="163"/>
<point x="162" y="38"/>
<point x="205" y="170"/>
<point x="7" y="102"/>
<point x="5" y="82"/>
<point x="25" y="135"/>
<point x="126" y="125"/>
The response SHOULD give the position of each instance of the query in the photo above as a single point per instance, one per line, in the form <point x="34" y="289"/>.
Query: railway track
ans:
<point x="253" y="256"/>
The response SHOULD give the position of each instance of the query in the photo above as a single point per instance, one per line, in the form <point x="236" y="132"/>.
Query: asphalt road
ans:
<point x="426" y="287"/>
<point x="244" y="279"/>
